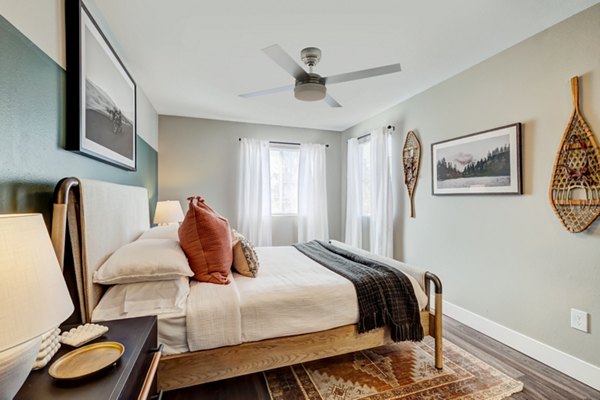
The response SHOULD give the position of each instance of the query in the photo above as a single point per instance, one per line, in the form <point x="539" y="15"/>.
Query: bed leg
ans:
<point x="437" y="318"/>
<point x="439" y="364"/>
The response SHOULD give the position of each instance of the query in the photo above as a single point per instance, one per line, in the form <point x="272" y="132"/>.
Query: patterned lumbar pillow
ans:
<point x="245" y="260"/>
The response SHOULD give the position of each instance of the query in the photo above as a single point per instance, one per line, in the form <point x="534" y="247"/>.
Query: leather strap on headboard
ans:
<point x="102" y="218"/>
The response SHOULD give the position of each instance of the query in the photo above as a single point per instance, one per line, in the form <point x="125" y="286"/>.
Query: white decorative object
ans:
<point x="15" y="364"/>
<point x="168" y="212"/>
<point x="83" y="334"/>
<point x="48" y="348"/>
<point x="33" y="296"/>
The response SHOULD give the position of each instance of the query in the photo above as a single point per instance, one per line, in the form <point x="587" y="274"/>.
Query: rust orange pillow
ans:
<point x="205" y="238"/>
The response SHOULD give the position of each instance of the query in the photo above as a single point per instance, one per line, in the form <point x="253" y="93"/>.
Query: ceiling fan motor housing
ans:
<point x="310" y="89"/>
<point x="310" y="56"/>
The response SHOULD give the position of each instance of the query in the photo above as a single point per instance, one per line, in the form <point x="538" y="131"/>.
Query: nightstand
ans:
<point x="133" y="374"/>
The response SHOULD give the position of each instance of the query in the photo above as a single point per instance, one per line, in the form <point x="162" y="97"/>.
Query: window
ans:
<point x="365" y="175"/>
<point x="284" y="179"/>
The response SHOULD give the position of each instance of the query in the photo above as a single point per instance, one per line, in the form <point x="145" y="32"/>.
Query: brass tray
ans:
<point x="86" y="360"/>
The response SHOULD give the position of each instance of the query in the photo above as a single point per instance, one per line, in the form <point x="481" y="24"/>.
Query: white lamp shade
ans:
<point x="33" y="293"/>
<point x="167" y="212"/>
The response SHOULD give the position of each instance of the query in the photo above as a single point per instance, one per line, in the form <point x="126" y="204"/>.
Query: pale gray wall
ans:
<point x="507" y="258"/>
<point x="200" y="156"/>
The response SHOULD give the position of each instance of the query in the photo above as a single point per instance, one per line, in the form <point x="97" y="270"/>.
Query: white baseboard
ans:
<point x="559" y="360"/>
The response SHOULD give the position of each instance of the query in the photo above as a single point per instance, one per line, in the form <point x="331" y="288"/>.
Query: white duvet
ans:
<point x="213" y="315"/>
<point x="291" y="295"/>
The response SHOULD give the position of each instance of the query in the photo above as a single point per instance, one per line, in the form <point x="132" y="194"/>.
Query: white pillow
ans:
<point x="143" y="298"/>
<point x="143" y="261"/>
<point x="162" y="232"/>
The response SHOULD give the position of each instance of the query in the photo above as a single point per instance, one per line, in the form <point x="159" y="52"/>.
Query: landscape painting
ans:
<point x="101" y="95"/>
<point x="484" y="162"/>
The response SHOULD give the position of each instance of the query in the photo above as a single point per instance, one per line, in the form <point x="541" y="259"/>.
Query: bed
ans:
<point x="101" y="217"/>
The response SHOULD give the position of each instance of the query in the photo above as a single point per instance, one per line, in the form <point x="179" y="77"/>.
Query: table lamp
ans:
<point x="168" y="212"/>
<point x="33" y="296"/>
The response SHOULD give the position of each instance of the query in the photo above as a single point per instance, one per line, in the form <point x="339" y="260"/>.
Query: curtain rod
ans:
<point x="288" y="143"/>
<point x="389" y="127"/>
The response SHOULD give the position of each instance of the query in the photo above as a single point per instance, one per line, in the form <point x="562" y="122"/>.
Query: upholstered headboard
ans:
<point x="104" y="217"/>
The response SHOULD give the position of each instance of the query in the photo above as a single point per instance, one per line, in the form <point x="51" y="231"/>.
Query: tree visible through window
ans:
<point x="284" y="179"/>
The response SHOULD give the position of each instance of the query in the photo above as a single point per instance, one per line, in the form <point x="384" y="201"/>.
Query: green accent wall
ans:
<point x="33" y="133"/>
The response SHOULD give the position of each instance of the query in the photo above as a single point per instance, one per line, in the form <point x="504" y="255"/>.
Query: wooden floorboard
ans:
<point x="248" y="387"/>
<point x="540" y="381"/>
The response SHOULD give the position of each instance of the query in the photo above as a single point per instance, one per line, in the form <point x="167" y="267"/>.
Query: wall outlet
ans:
<point x="579" y="320"/>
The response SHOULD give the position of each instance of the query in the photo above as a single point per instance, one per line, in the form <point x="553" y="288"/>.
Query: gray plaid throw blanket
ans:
<point x="385" y="295"/>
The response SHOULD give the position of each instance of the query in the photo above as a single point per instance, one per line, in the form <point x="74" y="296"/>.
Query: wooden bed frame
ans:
<point x="193" y="368"/>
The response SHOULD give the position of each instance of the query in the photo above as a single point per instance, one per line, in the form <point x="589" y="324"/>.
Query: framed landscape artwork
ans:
<point x="487" y="162"/>
<point x="101" y="95"/>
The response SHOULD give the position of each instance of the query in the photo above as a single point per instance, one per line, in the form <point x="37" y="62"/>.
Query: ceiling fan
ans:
<point x="311" y="86"/>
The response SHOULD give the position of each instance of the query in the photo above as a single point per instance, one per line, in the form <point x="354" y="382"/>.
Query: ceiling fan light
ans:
<point x="310" y="92"/>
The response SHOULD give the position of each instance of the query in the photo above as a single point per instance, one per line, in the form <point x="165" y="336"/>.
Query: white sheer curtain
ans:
<point x="254" y="192"/>
<point x="381" y="227"/>
<point x="312" y="193"/>
<point x="353" y="195"/>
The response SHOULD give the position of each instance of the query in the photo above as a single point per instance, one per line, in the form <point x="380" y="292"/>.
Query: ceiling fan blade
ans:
<point x="331" y="101"/>
<point x="268" y="91"/>
<point x="362" y="74"/>
<point x="286" y="62"/>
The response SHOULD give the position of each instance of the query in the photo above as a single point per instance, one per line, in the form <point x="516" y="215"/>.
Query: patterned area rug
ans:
<point x="398" y="371"/>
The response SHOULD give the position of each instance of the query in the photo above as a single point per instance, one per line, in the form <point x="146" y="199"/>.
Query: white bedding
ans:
<point x="291" y="295"/>
<point x="172" y="332"/>
<point x="213" y="317"/>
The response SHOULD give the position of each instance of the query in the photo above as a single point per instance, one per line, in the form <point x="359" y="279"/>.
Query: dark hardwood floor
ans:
<point x="540" y="381"/>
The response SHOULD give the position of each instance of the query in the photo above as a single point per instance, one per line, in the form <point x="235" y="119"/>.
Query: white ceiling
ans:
<point x="192" y="58"/>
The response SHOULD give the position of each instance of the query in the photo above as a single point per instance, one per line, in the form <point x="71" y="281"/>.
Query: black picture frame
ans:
<point x="486" y="162"/>
<point x="101" y="106"/>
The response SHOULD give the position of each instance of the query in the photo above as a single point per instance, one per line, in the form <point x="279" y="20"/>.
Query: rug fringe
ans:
<point x="506" y="395"/>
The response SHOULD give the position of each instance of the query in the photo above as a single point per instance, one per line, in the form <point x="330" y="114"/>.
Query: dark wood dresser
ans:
<point x="126" y="380"/>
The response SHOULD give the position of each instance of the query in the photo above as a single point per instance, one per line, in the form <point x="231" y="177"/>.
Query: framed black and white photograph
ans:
<point x="487" y="162"/>
<point x="101" y="95"/>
